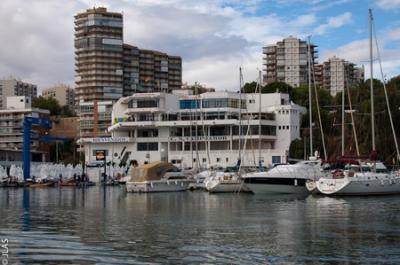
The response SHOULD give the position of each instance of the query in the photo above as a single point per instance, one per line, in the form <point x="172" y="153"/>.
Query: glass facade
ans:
<point x="253" y="130"/>
<point x="104" y="22"/>
<point x="150" y="103"/>
<point x="223" y="103"/>
<point x="147" y="146"/>
<point x="147" y="133"/>
<point x="211" y="103"/>
<point x="189" y="104"/>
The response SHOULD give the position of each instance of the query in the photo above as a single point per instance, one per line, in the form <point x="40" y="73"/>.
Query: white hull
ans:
<point x="258" y="188"/>
<point x="225" y="186"/>
<point x="158" y="186"/>
<point x="367" y="184"/>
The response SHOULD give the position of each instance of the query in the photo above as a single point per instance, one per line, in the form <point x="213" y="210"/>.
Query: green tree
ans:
<point x="249" y="87"/>
<point x="67" y="112"/>
<point x="50" y="104"/>
<point x="277" y="87"/>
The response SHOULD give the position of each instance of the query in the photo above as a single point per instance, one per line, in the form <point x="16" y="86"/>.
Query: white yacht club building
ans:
<point x="199" y="130"/>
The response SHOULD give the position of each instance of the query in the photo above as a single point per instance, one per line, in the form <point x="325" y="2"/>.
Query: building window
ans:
<point x="218" y="159"/>
<point x="204" y="160"/>
<point x="147" y="146"/>
<point x="147" y="133"/>
<point x="227" y="159"/>
<point x="276" y="159"/>
<point x="143" y="103"/>
<point x="189" y="104"/>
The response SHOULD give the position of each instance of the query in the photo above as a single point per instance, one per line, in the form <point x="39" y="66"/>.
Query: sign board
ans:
<point x="198" y="138"/>
<point x="100" y="155"/>
<point x="111" y="140"/>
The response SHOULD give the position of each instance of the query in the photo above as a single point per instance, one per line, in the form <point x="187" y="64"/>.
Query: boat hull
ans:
<point x="158" y="186"/>
<point x="359" y="186"/>
<point x="225" y="187"/>
<point x="41" y="185"/>
<point x="276" y="185"/>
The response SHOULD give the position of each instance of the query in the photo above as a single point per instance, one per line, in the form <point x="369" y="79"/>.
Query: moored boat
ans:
<point x="224" y="182"/>
<point x="286" y="179"/>
<point x="41" y="185"/>
<point x="157" y="177"/>
<point x="369" y="179"/>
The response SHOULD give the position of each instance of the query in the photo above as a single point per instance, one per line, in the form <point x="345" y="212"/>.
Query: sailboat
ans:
<point x="370" y="177"/>
<point x="225" y="181"/>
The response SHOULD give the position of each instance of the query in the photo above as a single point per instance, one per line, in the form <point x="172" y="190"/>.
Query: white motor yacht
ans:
<point x="287" y="178"/>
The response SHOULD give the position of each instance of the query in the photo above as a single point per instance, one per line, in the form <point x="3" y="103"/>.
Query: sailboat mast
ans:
<point x="259" y="119"/>
<point x="343" y="92"/>
<point x="310" y="95"/>
<point x="240" y="114"/>
<point x="371" y="79"/>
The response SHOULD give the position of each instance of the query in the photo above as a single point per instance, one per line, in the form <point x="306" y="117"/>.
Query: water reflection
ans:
<point x="108" y="226"/>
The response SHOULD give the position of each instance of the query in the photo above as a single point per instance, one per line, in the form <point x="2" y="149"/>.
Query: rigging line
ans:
<point x="386" y="95"/>
<point x="245" y="139"/>
<point x="352" y="121"/>
<point x="319" y="114"/>
<point x="252" y="144"/>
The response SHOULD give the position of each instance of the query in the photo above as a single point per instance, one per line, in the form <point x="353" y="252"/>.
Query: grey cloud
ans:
<point x="190" y="35"/>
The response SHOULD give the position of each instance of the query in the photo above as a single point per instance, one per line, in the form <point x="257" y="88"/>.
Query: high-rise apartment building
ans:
<point x="150" y="71"/>
<point x="337" y="74"/>
<point x="12" y="87"/>
<point x="64" y="94"/>
<point x="98" y="55"/>
<point x="287" y="61"/>
<point x="106" y="68"/>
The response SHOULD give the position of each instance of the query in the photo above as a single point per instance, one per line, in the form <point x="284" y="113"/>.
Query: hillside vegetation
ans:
<point x="330" y="108"/>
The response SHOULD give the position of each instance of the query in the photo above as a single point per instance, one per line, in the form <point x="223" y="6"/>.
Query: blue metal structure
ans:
<point x="27" y="126"/>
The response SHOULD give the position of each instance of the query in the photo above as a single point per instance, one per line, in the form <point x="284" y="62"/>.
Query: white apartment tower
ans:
<point x="287" y="61"/>
<point x="338" y="74"/>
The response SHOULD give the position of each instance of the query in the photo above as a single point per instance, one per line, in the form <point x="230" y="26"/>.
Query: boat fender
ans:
<point x="176" y="182"/>
<point x="295" y="182"/>
<point x="167" y="182"/>
<point x="382" y="182"/>
<point x="151" y="184"/>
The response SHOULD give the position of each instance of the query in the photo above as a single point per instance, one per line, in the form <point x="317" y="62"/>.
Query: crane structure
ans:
<point x="27" y="137"/>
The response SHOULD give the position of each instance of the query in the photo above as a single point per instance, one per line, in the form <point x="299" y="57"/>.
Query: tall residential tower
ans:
<point x="338" y="74"/>
<point x="287" y="61"/>
<point x="98" y="55"/>
<point x="107" y="69"/>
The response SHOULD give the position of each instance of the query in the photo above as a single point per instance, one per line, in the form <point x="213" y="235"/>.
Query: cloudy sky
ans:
<point x="214" y="37"/>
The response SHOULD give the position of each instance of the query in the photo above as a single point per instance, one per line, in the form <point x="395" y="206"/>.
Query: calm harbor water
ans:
<point x="108" y="226"/>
